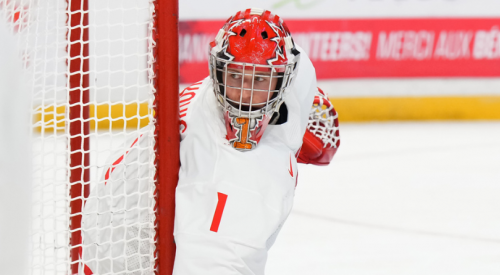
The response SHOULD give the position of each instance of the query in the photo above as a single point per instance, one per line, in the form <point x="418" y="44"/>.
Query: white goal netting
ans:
<point x="117" y="196"/>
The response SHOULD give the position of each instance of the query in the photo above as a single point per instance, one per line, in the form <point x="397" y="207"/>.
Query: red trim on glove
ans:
<point x="312" y="151"/>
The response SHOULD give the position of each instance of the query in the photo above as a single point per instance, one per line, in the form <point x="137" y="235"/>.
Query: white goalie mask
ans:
<point x="252" y="64"/>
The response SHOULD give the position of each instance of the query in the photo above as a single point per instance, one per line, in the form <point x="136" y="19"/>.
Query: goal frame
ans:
<point x="168" y="137"/>
<point x="166" y="116"/>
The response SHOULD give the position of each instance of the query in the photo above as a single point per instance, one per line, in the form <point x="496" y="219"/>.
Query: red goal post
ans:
<point x="101" y="73"/>
<point x="168" y="116"/>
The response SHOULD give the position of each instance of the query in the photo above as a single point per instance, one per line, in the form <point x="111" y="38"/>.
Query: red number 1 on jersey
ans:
<point x="218" y="212"/>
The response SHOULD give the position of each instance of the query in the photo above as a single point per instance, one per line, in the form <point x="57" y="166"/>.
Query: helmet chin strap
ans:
<point x="276" y="116"/>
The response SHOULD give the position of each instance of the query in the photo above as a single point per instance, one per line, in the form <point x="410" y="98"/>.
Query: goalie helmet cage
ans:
<point x="101" y="73"/>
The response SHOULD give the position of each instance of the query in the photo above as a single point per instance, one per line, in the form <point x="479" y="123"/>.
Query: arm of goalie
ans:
<point x="117" y="222"/>
<point x="321" y="139"/>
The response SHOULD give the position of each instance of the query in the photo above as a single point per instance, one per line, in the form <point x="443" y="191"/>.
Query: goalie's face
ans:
<point x="252" y="63"/>
<point x="249" y="89"/>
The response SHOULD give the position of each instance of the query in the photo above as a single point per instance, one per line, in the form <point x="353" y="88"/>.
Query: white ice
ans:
<point x="399" y="198"/>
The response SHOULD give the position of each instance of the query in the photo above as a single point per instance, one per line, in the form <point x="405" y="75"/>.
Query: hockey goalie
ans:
<point x="243" y="131"/>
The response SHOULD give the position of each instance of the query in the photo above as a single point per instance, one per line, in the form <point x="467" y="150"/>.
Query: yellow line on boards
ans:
<point x="136" y="115"/>
<point x="102" y="116"/>
<point x="418" y="108"/>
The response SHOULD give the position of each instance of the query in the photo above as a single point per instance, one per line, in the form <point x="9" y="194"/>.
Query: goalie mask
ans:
<point x="252" y="63"/>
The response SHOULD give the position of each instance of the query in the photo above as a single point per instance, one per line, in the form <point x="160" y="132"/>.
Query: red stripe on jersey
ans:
<point x="218" y="212"/>
<point x="297" y="179"/>
<point x="182" y="105"/>
<point x="183" y="94"/>
<point x="112" y="168"/>
<point x="183" y="123"/>
<point x="87" y="271"/>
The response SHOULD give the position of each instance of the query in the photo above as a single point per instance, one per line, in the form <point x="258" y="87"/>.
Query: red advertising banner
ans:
<point x="356" y="48"/>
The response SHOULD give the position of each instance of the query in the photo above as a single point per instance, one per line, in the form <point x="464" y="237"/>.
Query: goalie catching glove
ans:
<point x="321" y="138"/>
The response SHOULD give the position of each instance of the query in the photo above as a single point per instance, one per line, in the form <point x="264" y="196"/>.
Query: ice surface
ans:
<point x="399" y="198"/>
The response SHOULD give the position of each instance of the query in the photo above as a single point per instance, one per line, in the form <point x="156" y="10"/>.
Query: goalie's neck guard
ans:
<point x="252" y="63"/>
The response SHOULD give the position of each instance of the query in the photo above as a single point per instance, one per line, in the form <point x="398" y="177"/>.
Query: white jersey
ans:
<point x="230" y="205"/>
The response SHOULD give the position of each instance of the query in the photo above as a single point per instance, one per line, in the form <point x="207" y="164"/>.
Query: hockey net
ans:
<point x="91" y="70"/>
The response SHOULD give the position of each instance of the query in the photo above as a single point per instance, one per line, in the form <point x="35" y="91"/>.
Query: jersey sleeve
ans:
<point x="305" y="87"/>
<point x="117" y="219"/>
